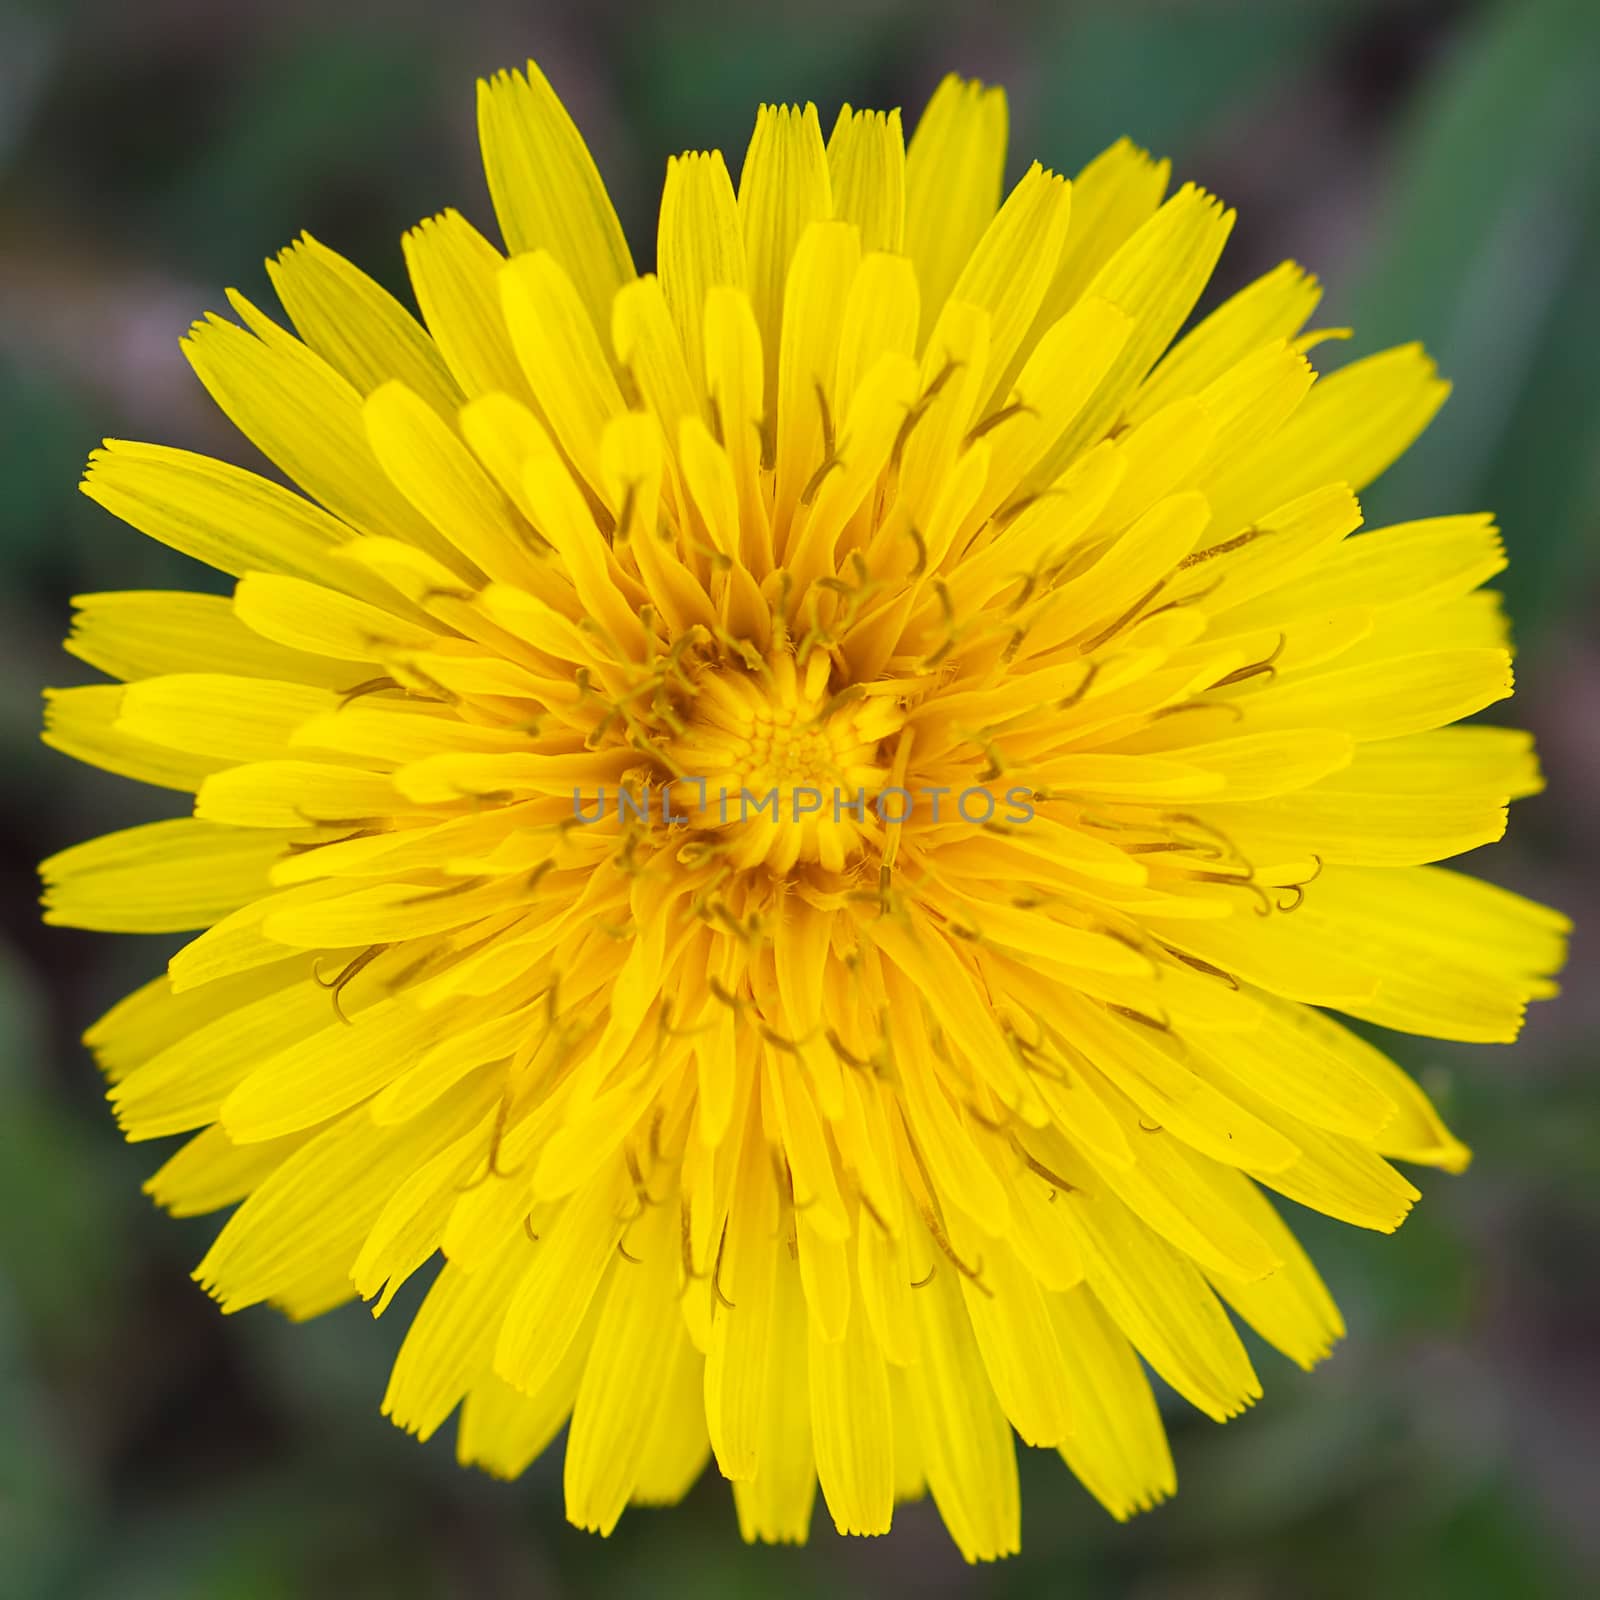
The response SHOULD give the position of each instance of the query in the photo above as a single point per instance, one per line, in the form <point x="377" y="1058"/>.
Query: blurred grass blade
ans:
<point x="1481" y="230"/>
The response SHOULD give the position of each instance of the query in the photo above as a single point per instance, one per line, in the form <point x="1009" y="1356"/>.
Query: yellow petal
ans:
<point x="826" y="257"/>
<point x="1252" y="399"/>
<point x="1155" y="277"/>
<point x="1290" y="1307"/>
<point x="386" y="913"/>
<point x="783" y="189"/>
<point x="677" y="1448"/>
<point x="503" y="1430"/>
<point x="953" y="365"/>
<point x="1118" y="1446"/>
<point x="884" y="1279"/>
<point x="1416" y="1131"/>
<point x="229" y="719"/>
<point x="506" y="435"/>
<point x="302" y="414"/>
<point x="147" y="633"/>
<point x="547" y="192"/>
<point x="228" y="518"/>
<point x="339" y="1066"/>
<point x="629" y="1362"/>
<point x="699" y="244"/>
<point x="560" y="1276"/>
<point x="427" y="462"/>
<point x="1147" y="1065"/>
<point x="1112" y="197"/>
<point x="1154" y="544"/>
<point x="184" y="1086"/>
<point x="309" y="1218"/>
<point x="965" y="1441"/>
<point x="1157" y="457"/>
<point x="775" y="1505"/>
<point x="1298" y="1059"/>
<point x="927" y="972"/>
<point x="1284" y="544"/>
<point x="564" y="517"/>
<point x="1387" y="699"/>
<point x="294" y="794"/>
<point x="1064" y="369"/>
<point x="209" y="1171"/>
<point x="1256" y="765"/>
<point x="1161" y="1302"/>
<point x="1187" y="1199"/>
<point x="357" y="326"/>
<point x="1275" y="953"/>
<point x="1401" y="570"/>
<point x="910" y="1481"/>
<point x="1011" y="1323"/>
<point x="651" y="352"/>
<point x="880" y="318"/>
<point x="561" y="355"/>
<point x="1041" y="1234"/>
<point x="163" y="877"/>
<point x="866" y="438"/>
<point x="146" y="1022"/>
<point x="746" y="1273"/>
<point x="1275" y="306"/>
<point x="1352" y="425"/>
<point x="635" y="464"/>
<point x="1012" y="264"/>
<point x="322" y="623"/>
<point x="735" y="382"/>
<point x="1363" y="829"/>
<point x="455" y="274"/>
<point x="447" y="1347"/>
<point x="83" y="723"/>
<point x="708" y="475"/>
<point x="825" y="1274"/>
<point x="411" y="1225"/>
<point x="786" y="1091"/>
<point x="867" y="173"/>
<point x="396" y="733"/>
<point x="1340" y="1178"/>
<point x="852" y="1429"/>
<point x="1453" y="957"/>
<point x="953" y="170"/>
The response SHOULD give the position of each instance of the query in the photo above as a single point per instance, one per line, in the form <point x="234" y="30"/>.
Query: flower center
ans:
<point x="783" y="769"/>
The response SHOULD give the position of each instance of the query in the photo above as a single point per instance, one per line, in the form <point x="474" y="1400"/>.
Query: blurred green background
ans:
<point x="1437" y="163"/>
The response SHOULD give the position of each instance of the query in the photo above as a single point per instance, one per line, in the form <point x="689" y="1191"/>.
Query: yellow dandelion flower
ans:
<point x="799" y="818"/>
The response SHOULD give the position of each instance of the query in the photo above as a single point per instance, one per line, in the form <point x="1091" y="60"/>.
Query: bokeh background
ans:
<point x="1438" y="163"/>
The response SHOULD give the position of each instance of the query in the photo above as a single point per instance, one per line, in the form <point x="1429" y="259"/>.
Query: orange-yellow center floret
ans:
<point x="782" y="767"/>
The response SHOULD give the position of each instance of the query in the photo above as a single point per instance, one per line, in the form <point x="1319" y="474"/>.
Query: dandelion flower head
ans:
<point x="1099" y="763"/>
